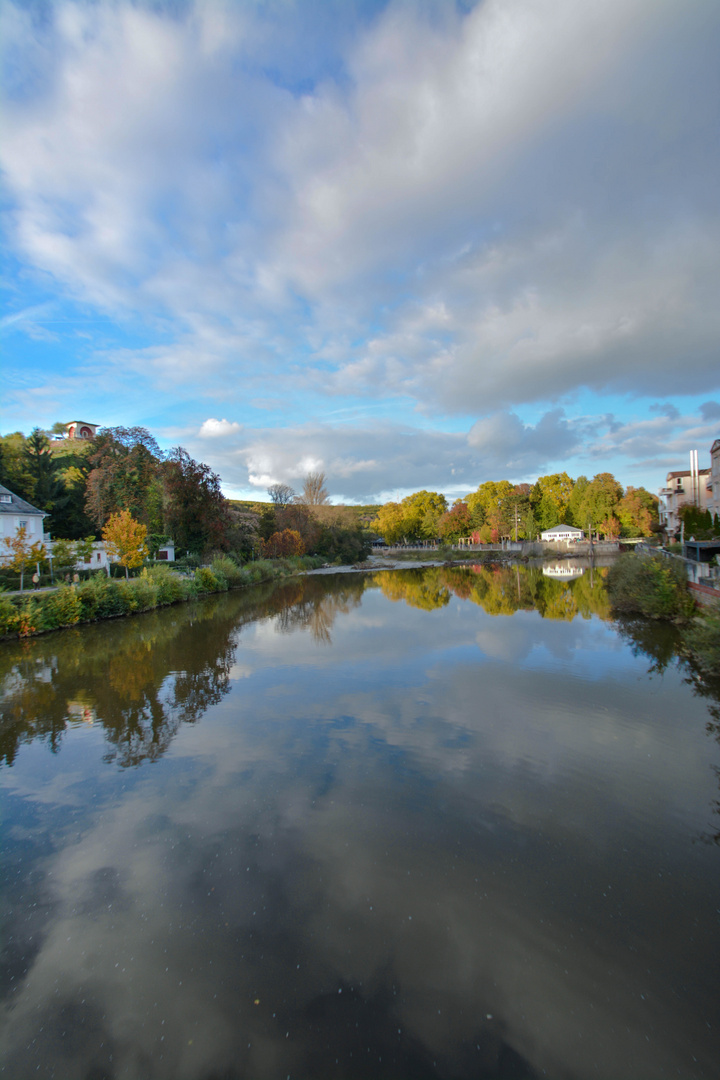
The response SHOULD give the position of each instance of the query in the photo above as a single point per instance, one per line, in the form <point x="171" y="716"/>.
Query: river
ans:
<point x="442" y="823"/>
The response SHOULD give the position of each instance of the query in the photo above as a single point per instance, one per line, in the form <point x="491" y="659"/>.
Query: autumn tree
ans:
<point x="638" y="512"/>
<point x="610" y="527"/>
<point x="282" y="545"/>
<point x="455" y="522"/>
<point x="21" y="552"/>
<point x="125" y="540"/>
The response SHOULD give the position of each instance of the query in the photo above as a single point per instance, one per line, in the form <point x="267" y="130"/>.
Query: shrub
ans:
<point x="652" y="586"/>
<point x="226" y="569"/>
<point x="206" y="580"/>
<point x="143" y="591"/>
<point x="62" y="608"/>
<point x="100" y="599"/>
<point x="8" y="616"/>
<point x="168" y="586"/>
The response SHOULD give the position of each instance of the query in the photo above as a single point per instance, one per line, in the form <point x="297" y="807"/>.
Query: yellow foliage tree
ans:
<point x="21" y="553"/>
<point x="125" y="540"/>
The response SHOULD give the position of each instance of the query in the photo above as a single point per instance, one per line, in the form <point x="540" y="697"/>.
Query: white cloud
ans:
<point x="463" y="211"/>
<point x="213" y="429"/>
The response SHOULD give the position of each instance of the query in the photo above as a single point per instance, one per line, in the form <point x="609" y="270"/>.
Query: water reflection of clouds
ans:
<point x="289" y="872"/>
<point x="411" y="840"/>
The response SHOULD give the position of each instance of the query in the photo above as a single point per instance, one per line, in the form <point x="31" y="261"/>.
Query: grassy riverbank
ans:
<point x="106" y="598"/>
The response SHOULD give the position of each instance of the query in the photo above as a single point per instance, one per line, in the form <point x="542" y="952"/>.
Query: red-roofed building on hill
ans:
<point x="79" y="429"/>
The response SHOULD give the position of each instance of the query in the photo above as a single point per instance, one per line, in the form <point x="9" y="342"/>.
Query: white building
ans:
<point x="80" y="429"/>
<point x="16" y="513"/>
<point x="715" y="478"/>
<point x="561" y="533"/>
<point x="682" y="488"/>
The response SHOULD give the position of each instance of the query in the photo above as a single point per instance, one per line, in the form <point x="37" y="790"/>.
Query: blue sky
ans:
<point x="411" y="244"/>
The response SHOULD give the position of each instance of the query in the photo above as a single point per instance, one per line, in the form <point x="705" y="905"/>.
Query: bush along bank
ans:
<point x="657" y="588"/>
<point x="106" y="598"/>
<point x="651" y="586"/>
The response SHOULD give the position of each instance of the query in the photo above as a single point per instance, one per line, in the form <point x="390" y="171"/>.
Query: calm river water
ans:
<point x="418" y="824"/>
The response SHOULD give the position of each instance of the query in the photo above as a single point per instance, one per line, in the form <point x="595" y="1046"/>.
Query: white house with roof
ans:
<point x="560" y="533"/>
<point x="15" y="513"/>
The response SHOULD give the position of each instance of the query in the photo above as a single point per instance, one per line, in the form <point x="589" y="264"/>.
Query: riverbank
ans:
<point x="99" y="598"/>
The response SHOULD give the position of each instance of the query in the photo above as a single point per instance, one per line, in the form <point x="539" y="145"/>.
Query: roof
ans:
<point x="686" y="472"/>
<point x="562" y="528"/>
<point x="18" y="505"/>
<point x="80" y="423"/>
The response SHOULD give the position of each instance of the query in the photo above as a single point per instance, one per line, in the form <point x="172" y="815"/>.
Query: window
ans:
<point x="22" y="524"/>
<point x="6" y="498"/>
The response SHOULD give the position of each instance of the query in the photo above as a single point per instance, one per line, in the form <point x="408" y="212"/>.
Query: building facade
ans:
<point x="565" y="533"/>
<point x="15" y="513"/>
<point x="80" y="429"/>
<point x="715" y="478"/>
<point x="683" y="488"/>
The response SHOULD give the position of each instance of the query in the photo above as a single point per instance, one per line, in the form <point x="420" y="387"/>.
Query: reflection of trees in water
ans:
<point x="142" y="678"/>
<point x="423" y="589"/>
<point x="661" y="643"/>
<point x="499" y="590"/>
<point x="314" y="608"/>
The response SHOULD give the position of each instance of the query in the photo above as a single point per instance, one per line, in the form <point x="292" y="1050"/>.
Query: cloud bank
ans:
<point x="457" y="213"/>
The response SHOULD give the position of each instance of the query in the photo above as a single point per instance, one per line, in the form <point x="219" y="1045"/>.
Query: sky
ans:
<point x="408" y="244"/>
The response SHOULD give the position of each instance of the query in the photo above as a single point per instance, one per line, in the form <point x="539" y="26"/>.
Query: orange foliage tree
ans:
<point x="125" y="540"/>
<point x="282" y="544"/>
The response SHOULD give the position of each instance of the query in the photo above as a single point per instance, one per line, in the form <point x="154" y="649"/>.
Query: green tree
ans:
<point x="422" y="512"/>
<point x="486" y="503"/>
<point x="13" y="463"/>
<point x="575" y="503"/>
<point x="601" y="499"/>
<point x="549" y="499"/>
<point x="389" y="522"/>
<point x="42" y="467"/>
<point x="125" y="474"/>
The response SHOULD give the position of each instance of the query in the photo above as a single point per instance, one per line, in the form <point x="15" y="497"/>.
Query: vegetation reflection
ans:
<point x="142" y="679"/>
<point x="500" y="590"/>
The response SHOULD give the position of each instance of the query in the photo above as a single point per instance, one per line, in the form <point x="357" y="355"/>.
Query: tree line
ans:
<point x="500" y="510"/>
<point x="87" y="486"/>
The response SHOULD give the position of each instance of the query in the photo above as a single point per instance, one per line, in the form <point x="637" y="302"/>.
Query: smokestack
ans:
<point x="694" y="477"/>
